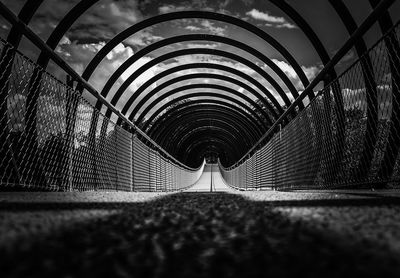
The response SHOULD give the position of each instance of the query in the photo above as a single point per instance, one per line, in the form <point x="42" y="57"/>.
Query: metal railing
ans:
<point x="348" y="136"/>
<point x="45" y="142"/>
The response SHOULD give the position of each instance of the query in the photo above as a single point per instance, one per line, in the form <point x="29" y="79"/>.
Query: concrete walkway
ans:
<point x="200" y="234"/>
<point x="210" y="181"/>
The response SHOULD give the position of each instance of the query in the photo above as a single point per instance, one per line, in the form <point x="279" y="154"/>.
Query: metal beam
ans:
<point x="172" y="106"/>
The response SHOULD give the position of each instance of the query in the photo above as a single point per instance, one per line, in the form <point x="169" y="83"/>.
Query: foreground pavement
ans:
<point x="190" y="234"/>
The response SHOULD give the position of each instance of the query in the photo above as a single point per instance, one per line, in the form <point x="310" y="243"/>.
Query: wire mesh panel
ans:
<point x="48" y="141"/>
<point x="141" y="170"/>
<point x="348" y="136"/>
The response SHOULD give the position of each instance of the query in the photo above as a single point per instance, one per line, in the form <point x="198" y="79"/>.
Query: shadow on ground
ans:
<point x="195" y="235"/>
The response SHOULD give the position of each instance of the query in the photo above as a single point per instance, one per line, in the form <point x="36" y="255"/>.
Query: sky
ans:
<point x="109" y="17"/>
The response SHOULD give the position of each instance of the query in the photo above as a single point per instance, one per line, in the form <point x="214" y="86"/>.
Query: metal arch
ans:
<point x="203" y="134"/>
<point x="169" y="119"/>
<point x="193" y="14"/>
<point x="209" y="130"/>
<point x="190" y="52"/>
<point x="84" y="5"/>
<point x="218" y="125"/>
<point x="25" y="15"/>
<point x="167" y="143"/>
<point x="173" y="123"/>
<point x="370" y="85"/>
<point x="227" y="150"/>
<point x="204" y="94"/>
<point x="305" y="27"/>
<point x="207" y="151"/>
<point x="80" y="9"/>
<point x="216" y="139"/>
<point x="63" y="26"/>
<point x="163" y="134"/>
<point x="172" y="117"/>
<point x="169" y="71"/>
<point x="393" y="49"/>
<point x="201" y="151"/>
<point x="194" y="76"/>
<point x="224" y="149"/>
<point x="209" y="86"/>
<point x="256" y="126"/>
<point x="220" y="122"/>
<point x="199" y="155"/>
<point x="184" y="38"/>
<point x="173" y="54"/>
<point x="171" y="145"/>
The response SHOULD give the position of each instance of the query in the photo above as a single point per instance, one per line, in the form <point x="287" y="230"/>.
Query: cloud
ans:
<point x="286" y="25"/>
<point x="143" y="38"/>
<point x="203" y="25"/>
<point x="143" y="77"/>
<point x="256" y="14"/>
<point x="276" y="21"/>
<point x="224" y="4"/>
<point x="79" y="55"/>
<point x="102" y="21"/>
<point x="203" y="5"/>
<point x="192" y="28"/>
<point x="310" y="72"/>
<point x="210" y="26"/>
<point x="202" y="45"/>
<point x="172" y="8"/>
<point x="286" y="68"/>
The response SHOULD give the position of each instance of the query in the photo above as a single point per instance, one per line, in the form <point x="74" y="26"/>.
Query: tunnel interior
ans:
<point x="204" y="109"/>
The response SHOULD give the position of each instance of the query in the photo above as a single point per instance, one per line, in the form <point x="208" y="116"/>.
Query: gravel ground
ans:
<point x="247" y="234"/>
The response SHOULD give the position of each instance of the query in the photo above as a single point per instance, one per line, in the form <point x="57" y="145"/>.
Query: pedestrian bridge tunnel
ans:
<point x="198" y="95"/>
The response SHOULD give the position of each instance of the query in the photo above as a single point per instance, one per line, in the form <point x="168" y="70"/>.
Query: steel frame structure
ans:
<point x="271" y="114"/>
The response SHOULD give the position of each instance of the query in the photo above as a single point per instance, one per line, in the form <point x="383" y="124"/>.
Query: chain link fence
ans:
<point x="348" y="136"/>
<point x="45" y="141"/>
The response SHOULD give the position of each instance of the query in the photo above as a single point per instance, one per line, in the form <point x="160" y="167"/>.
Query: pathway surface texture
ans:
<point x="210" y="181"/>
<point x="200" y="234"/>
